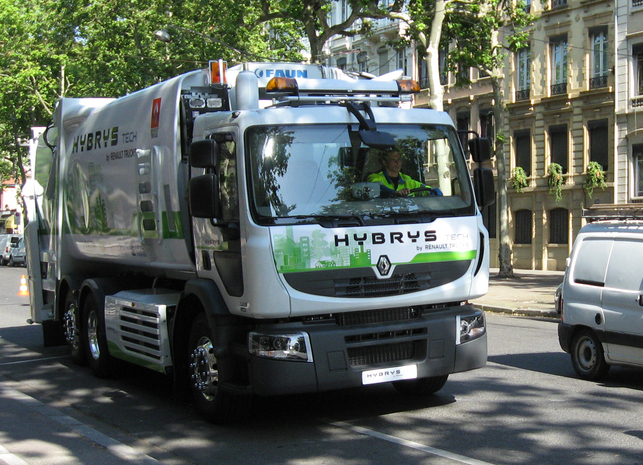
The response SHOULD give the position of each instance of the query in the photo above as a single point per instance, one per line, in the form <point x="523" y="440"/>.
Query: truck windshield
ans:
<point x="310" y="173"/>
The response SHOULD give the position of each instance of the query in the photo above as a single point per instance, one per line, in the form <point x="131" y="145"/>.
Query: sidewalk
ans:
<point x="529" y="292"/>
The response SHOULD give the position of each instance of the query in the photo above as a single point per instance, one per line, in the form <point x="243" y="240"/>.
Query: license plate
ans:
<point x="384" y="375"/>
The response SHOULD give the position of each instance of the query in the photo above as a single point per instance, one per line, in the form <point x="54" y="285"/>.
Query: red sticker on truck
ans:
<point x="156" y="116"/>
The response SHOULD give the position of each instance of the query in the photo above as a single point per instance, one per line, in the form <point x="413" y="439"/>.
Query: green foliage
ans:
<point x="594" y="178"/>
<point x="519" y="179"/>
<point x="556" y="181"/>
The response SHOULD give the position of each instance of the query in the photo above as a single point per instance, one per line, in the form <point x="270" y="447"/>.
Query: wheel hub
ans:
<point x="70" y="326"/>
<point x="203" y="368"/>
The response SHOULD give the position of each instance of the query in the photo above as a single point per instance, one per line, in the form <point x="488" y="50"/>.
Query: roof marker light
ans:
<point x="282" y="84"/>
<point x="408" y="86"/>
<point x="217" y="71"/>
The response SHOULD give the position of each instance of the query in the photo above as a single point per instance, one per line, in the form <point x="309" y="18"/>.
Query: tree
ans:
<point x="311" y="17"/>
<point x="73" y="48"/>
<point x="483" y="33"/>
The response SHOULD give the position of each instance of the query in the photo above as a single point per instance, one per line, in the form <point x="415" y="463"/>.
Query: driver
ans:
<point x="393" y="182"/>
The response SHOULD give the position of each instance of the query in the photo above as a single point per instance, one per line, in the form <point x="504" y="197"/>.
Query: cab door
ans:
<point x="623" y="302"/>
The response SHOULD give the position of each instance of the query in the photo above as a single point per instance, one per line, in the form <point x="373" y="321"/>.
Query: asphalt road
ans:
<point x="525" y="407"/>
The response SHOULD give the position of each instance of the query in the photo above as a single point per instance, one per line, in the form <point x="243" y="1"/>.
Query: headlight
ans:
<point x="470" y="327"/>
<point x="294" y="347"/>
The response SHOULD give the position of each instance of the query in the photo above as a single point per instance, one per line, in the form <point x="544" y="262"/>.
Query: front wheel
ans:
<point x="97" y="353"/>
<point x="215" y="404"/>
<point x="422" y="386"/>
<point x="588" y="359"/>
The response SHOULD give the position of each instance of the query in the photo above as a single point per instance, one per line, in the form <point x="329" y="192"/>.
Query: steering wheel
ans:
<point x="427" y="191"/>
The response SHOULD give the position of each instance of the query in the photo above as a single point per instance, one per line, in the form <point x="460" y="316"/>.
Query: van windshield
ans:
<point x="310" y="173"/>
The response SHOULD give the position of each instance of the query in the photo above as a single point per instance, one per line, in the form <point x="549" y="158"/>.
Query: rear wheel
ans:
<point x="72" y="329"/>
<point x="97" y="353"/>
<point x="588" y="358"/>
<point x="215" y="404"/>
<point x="422" y="386"/>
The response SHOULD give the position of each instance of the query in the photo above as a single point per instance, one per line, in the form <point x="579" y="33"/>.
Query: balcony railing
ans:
<point x="598" y="82"/>
<point x="637" y="2"/>
<point x="558" y="89"/>
<point x="558" y="3"/>
<point x="637" y="102"/>
<point x="522" y="94"/>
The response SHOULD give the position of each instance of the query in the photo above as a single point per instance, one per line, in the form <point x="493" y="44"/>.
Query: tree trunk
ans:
<point x="504" y="243"/>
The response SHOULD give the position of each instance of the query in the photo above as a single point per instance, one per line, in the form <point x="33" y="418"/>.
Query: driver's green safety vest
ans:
<point x="404" y="181"/>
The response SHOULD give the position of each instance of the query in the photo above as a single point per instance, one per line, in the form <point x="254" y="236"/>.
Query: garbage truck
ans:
<point x="223" y="227"/>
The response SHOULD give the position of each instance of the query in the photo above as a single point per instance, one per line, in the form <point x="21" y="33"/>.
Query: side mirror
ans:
<point x="377" y="139"/>
<point x="204" y="154"/>
<point x="204" y="196"/>
<point x="484" y="187"/>
<point x="480" y="149"/>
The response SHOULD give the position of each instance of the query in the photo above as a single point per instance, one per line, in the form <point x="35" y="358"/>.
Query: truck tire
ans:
<point x="212" y="402"/>
<point x="98" y="356"/>
<point x="422" y="386"/>
<point x="72" y="329"/>
<point x="588" y="359"/>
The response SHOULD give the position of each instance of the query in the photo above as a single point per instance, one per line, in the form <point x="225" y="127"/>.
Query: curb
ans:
<point x="518" y="312"/>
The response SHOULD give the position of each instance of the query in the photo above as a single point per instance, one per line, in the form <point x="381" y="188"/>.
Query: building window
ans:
<point x="523" y="65"/>
<point x="559" y="226"/>
<point x="341" y="63"/>
<point x="423" y="73"/>
<point x="382" y="55"/>
<point x="598" y="143"/>
<point x="401" y="60"/>
<point x="637" y="54"/>
<point x="463" y="124"/>
<point x="522" y="140"/>
<point x="344" y="11"/>
<point x="558" y="47"/>
<point x="444" y="72"/>
<point x="637" y="151"/>
<point x="558" y="3"/>
<point x="523" y="227"/>
<point x="362" y="62"/>
<point x="486" y="124"/>
<point x="489" y="218"/>
<point x="558" y="145"/>
<point x="599" y="61"/>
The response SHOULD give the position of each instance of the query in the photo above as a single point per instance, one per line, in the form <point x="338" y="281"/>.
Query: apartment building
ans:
<point x="560" y="94"/>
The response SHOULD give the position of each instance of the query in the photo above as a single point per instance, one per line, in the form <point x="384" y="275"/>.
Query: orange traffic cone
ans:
<point x="24" y="290"/>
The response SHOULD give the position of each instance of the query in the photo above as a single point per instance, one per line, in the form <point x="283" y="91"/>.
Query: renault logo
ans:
<point x="384" y="265"/>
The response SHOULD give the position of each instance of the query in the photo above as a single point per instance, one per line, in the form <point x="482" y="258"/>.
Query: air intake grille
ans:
<point x="377" y="316"/>
<point x="372" y="287"/>
<point x="141" y="332"/>
<point x="372" y="355"/>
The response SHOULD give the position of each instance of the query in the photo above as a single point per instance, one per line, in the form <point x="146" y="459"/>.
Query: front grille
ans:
<point x="386" y="315"/>
<point x="372" y="355"/>
<point x="370" y="286"/>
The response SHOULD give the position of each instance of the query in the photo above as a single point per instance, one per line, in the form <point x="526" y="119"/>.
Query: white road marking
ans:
<point x="32" y="360"/>
<point x="410" y="444"/>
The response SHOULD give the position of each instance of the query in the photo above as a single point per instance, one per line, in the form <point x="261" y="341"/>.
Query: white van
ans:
<point x="602" y="298"/>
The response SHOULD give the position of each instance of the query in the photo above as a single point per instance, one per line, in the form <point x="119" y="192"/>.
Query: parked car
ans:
<point x="7" y="243"/>
<point x="18" y="254"/>
<point x="602" y="298"/>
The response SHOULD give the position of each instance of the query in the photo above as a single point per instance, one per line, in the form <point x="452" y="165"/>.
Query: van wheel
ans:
<point x="422" y="386"/>
<point x="72" y="330"/>
<point x="204" y="371"/>
<point x="97" y="353"/>
<point x="588" y="359"/>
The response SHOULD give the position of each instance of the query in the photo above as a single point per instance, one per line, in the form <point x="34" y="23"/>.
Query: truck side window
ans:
<point x="228" y="181"/>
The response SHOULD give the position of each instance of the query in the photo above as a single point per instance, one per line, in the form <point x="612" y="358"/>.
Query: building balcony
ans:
<point x="637" y="102"/>
<point x="637" y="3"/>
<point x="522" y="94"/>
<point x="598" y="82"/>
<point x="559" y="89"/>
